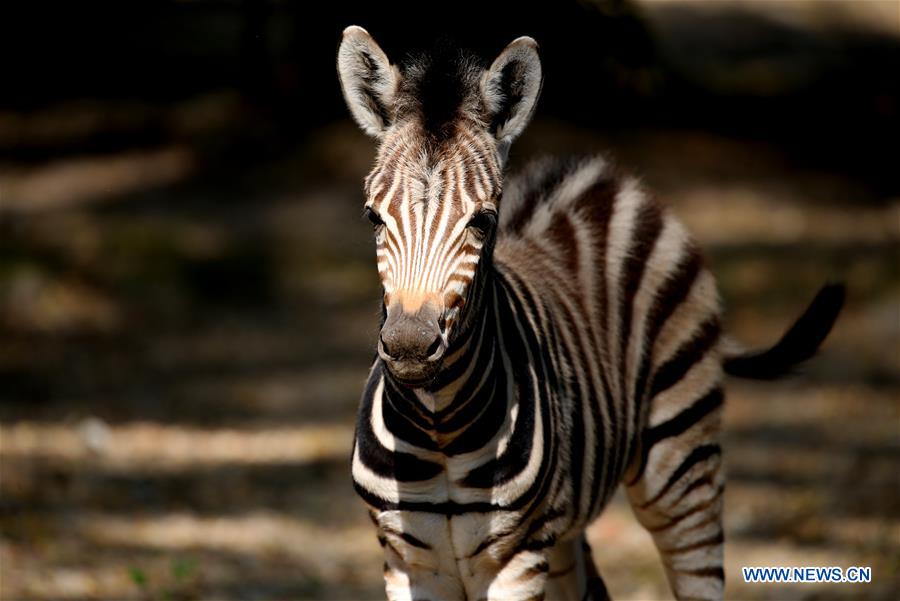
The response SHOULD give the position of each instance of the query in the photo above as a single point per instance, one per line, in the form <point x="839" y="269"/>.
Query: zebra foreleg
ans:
<point x="573" y="575"/>
<point x="594" y="587"/>
<point x="563" y="578"/>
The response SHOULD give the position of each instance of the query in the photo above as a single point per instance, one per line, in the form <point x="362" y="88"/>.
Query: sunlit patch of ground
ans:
<point x="155" y="447"/>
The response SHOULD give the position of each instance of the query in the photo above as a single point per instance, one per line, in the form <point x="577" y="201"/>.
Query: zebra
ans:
<point x="543" y="340"/>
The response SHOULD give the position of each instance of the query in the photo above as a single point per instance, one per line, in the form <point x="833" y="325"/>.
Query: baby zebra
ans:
<point x="543" y="340"/>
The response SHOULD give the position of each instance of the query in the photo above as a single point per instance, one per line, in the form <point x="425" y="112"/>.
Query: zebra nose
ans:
<point x="411" y="337"/>
<point x="398" y="350"/>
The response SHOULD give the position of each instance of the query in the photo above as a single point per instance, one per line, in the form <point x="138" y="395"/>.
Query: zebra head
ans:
<point x="445" y="124"/>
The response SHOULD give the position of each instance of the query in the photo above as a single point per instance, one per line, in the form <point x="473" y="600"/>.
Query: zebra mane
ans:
<point x="440" y="86"/>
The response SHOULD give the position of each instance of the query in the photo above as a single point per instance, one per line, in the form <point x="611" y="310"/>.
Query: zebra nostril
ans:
<point x="442" y="323"/>
<point x="384" y="347"/>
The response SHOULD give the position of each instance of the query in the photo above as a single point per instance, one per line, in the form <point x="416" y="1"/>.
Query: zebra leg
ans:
<point x="573" y="575"/>
<point x="676" y="492"/>
<point x="415" y="569"/>
<point x="522" y="578"/>
<point x="594" y="587"/>
<point x="564" y="579"/>
<point x="419" y="581"/>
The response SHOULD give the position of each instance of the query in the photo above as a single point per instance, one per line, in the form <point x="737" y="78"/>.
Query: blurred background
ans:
<point x="189" y="300"/>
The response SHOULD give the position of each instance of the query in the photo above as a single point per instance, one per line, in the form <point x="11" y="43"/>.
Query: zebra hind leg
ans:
<point x="677" y="497"/>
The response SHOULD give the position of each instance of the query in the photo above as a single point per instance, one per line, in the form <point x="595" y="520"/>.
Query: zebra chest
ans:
<point x="398" y="465"/>
<point x="430" y="511"/>
<point x="484" y="452"/>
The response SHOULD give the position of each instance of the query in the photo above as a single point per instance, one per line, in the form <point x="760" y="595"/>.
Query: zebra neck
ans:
<point x="470" y="361"/>
<point x="472" y="402"/>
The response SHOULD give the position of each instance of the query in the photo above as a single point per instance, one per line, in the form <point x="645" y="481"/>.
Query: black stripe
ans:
<point x="706" y="479"/>
<point x="403" y="424"/>
<point x="535" y="544"/>
<point x="405" y="401"/>
<point x="403" y="429"/>
<point x="542" y="567"/>
<point x="542" y="520"/>
<point x="711" y="572"/>
<point x="699" y="454"/>
<point x="691" y="352"/>
<point x="454" y="371"/>
<point x="702" y="507"/>
<point x="669" y="297"/>
<point x="476" y="405"/>
<point x="516" y="457"/>
<point x="716" y="539"/>
<point x="403" y="467"/>
<point x="579" y="395"/>
<point x="596" y="205"/>
<point x="415" y="542"/>
<point x="473" y="395"/>
<point x="518" y="450"/>
<point x="490" y="540"/>
<point x="702" y="407"/>
<point x="562" y="233"/>
<point x="485" y="426"/>
<point x="540" y="186"/>
<point x="538" y="489"/>
<point x="699" y="409"/>
<point x="646" y="232"/>
<point x="446" y="508"/>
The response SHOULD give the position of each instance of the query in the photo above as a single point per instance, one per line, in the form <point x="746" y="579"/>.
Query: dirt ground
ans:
<point x="181" y="363"/>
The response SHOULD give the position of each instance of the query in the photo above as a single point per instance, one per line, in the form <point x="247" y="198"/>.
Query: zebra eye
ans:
<point x="482" y="222"/>
<point x="373" y="217"/>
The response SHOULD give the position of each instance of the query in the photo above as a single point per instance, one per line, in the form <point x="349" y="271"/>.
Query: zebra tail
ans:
<point x="798" y="344"/>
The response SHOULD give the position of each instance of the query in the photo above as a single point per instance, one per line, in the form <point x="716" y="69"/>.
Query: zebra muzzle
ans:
<point x="412" y="343"/>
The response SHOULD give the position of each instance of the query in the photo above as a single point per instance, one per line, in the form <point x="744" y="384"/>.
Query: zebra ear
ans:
<point x="368" y="79"/>
<point x="510" y="89"/>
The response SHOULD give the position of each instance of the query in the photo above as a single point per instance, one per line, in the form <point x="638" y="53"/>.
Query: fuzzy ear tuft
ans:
<point x="368" y="79"/>
<point x="510" y="89"/>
